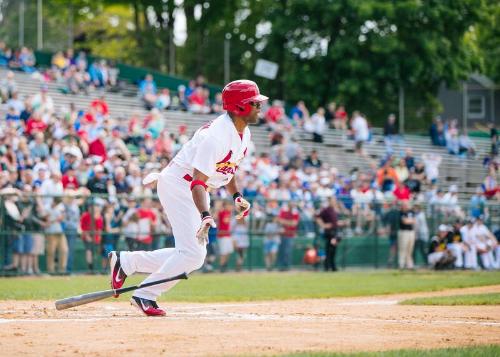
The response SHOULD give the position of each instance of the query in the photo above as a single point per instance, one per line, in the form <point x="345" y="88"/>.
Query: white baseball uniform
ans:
<point x="216" y="150"/>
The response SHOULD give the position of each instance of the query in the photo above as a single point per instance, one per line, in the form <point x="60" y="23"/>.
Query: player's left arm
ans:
<point x="242" y="205"/>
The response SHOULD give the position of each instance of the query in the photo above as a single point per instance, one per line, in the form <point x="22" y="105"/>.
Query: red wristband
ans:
<point x="198" y="182"/>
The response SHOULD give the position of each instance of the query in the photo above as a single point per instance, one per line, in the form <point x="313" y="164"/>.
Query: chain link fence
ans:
<point x="61" y="234"/>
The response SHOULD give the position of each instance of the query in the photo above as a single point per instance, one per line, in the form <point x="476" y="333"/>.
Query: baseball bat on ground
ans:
<point x="99" y="295"/>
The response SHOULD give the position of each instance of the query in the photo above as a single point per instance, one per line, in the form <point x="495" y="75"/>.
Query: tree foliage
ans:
<point x="356" y="52"/>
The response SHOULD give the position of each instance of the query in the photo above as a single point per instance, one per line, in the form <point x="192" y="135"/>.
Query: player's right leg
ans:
<point x="118" y="276"/>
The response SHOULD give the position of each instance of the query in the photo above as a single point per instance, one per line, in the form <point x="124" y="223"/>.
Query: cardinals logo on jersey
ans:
<point x="225" y="166"/>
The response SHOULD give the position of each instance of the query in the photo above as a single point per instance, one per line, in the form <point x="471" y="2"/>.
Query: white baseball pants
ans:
<point x="188" y="255"/>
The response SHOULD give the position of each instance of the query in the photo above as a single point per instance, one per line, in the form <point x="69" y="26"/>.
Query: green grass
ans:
<point x="478" y="351"/>
<point x="258" y="286"/>
<point x="473" y="299"/>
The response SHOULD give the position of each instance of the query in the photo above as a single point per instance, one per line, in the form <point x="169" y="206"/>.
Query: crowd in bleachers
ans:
<point x="49" y="149"/>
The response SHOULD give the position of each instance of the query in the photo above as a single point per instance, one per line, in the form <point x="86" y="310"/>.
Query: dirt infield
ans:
<point x="35" y="328"/>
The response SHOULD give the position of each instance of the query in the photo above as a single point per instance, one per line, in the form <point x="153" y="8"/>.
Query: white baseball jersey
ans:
<point x="216" y="150"/>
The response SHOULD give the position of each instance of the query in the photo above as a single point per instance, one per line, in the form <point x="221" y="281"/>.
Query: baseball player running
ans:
<point x="208" y="160"/>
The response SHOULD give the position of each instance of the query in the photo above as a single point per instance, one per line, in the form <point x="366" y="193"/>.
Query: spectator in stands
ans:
<point x="289" y="219"/>
<point x="8" y="86"/>
<point x="313" y="160"/>
<point x="436" y="132"/>
<point x="4" y="54"/>
<point x="452" y="142"/>
<point x="439" y="256"/>
<point x="51" y="187"/>
<point x="360" y="130"/>
<point x="182" y="98"/>
<point x="98" y="183"/>
<point x="467" y="147"/>
<point x="330" y="114"/>
<point x="387" y="176"/>
<point x="217" y="104"/>
<point x="101" y="106"/>
<point x="406" y="236"/>
<point x="490" y="185"/>
<point x="431" y="163"/>
<point x="391" y="133"/>
<point x="402" y="170"/>
<point x="198" y="102"/>
<point x="495" y="142"/>
<point x="298" y="113"/>
<point x="318" y="122"/>
<point x="43" y="103"/>
<point x="92" y="225"/>
<point x="450" y="201"/>
<point x="38" y="148"/>
<point x="27" y="60"/>
<point x="148" y="91"/>
<point x="275" y="115"/>
<point x="340" y="120"/>
<point x="401" y="192"/>
<point x="163" y="100"/>
<point x="477" y="204"/>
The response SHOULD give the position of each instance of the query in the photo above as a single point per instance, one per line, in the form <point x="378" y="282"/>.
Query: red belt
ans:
<point x="188" y="177"/>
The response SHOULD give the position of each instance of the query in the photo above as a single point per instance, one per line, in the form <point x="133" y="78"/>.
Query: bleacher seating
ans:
<point x="338" y="151"/>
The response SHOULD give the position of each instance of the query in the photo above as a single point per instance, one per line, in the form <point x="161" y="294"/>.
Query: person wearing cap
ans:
<point x="456" y="244"/>
<point x="470" y="255"/>
<point x="439" y="256"/>
<point x="406" y="236"/>
<point x="98" y="183"/>
<point x="487" y="245"/>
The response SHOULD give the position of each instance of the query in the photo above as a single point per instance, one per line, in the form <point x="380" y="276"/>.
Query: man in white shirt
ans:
<point x="487" y="245"/>
<point x="470" y="255"/>
<point x="361" y="133"/>
<point x="209" y="159"/>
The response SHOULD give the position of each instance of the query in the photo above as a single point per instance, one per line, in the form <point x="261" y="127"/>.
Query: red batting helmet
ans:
<point x="237" y="96"/>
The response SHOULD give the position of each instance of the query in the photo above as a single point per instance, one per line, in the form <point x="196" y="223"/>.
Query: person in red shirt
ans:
<point x="275" y="113"/>
<point x="98" y="148"/>
<point x="147" y="220"/>
<point x="92" y="224"/>
<point x="401" y="192"/>
<point x="35" y="124"/>
<point x="69" y="179"/>
<point x="289" y="218"/>
<point x="198" y="101"/>
<point x="224" y="240"/>
<point x="100" y="106"/>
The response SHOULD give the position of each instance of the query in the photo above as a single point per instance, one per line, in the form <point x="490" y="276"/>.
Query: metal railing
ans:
<point x="365" y="235"/>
